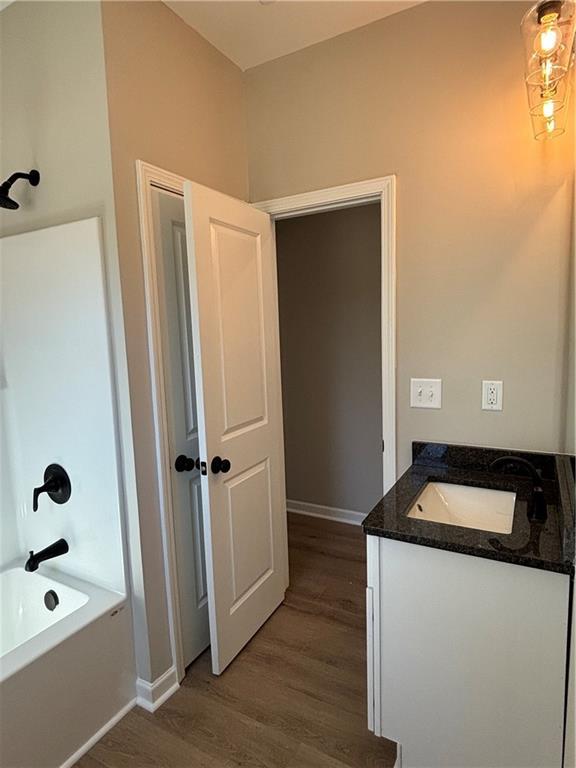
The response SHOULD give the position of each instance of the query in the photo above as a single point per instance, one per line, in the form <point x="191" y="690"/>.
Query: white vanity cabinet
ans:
<point x="466" y="658"/>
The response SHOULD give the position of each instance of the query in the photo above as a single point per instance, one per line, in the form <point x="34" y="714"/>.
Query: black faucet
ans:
<point x="56" y="484"/>
<point x="59" y="547"/>
<point x="538" y="511"/>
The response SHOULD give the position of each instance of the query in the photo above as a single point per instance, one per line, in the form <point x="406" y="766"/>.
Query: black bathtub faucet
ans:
<point x="59" y="547"/>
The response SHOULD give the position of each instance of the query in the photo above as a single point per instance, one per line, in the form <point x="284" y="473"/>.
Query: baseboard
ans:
<point x="328" y="513"/>
<point x="151" y="695"/>
<point x="398" y="763"/>
<point x="73" y="759"/>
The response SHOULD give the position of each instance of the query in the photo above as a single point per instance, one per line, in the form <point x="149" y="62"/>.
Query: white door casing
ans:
<point x="234" y="303"/>
<point x="382" y="191"/>
<point x="182" y="421"/>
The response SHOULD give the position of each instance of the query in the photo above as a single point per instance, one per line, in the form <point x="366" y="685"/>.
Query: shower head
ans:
<point x="5" y="200"/>
<point x="8" y="203"/>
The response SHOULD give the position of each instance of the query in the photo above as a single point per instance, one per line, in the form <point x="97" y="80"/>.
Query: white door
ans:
<point x="233" y="293"/>
<point x="182" y="423"/>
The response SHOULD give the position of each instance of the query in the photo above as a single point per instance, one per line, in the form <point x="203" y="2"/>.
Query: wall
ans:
<point x="435" y="95"/>
<point x="175" y="102"/>
<point x="570" y="430"/>
<point x="329" y="294"/>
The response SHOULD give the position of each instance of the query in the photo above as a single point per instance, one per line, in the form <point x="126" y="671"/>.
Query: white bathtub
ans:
<point x="28" y="628"/>
<point x="23" y="613"/>
<point x="64" y="674"/>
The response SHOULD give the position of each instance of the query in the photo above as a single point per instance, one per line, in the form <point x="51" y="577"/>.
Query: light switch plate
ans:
<point x="426" y="393"/>
<point x="492" y="394"/>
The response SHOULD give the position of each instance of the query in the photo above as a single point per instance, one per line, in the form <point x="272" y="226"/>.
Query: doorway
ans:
<point x="329" y="276"/>
<point x="250" y="226"/>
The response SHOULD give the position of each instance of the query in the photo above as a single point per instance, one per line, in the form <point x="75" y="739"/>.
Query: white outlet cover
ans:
<point x="426" y="393"/>
<point x="492" y="395"/>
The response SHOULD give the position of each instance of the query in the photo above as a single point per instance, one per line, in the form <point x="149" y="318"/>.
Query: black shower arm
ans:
<point x="15" y="176"/>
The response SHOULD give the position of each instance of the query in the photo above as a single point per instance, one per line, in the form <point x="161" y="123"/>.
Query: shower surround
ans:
<point x="66" y="628"/>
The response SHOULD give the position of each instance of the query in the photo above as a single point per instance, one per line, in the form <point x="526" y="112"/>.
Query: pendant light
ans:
<point x="548" y="31"/>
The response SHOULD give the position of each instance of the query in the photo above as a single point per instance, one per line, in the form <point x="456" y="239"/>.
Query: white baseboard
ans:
<point x="151" y="695"/>
<point x="398" y="763"/>
<point x="328" y="513"/>
<point x="73" y="759"/>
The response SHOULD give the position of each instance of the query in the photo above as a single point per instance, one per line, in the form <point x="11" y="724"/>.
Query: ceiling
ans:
<point x="250" y="32"/>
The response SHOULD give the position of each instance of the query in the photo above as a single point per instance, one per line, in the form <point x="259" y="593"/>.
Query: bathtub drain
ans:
<point x="51" y="600"/>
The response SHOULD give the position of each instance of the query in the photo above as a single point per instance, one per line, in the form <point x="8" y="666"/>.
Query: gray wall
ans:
<point x="329" y="293"/>
<point x="436" y="95"/>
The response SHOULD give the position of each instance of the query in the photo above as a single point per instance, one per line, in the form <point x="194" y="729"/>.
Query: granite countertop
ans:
<point x="548" y="545"/>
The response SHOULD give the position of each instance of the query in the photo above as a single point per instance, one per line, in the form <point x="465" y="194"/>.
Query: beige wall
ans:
<point x="329" y="296"/>
<point x="177" y="103"/>
<point x="435" y="95"/>
<point x="54" y="114"/>
<point x="570" y="433"/>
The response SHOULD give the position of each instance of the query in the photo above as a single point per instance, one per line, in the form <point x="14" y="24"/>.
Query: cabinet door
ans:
<point x="472" y="659"/>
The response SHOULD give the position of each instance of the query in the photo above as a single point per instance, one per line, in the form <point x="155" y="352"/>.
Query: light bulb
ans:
<point x="550" y="125"/>
<point x="548" y="108"/>
<point x="548" y="40"/>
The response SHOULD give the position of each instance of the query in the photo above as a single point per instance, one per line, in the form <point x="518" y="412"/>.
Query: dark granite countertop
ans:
<point x="548" y="545"/>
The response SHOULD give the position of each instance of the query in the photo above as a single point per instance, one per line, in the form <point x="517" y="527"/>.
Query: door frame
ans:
<point x="383" y="191"/>
<point x="148" y="177"/>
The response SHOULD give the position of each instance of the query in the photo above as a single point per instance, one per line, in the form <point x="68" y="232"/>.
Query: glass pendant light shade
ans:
<point x="550" y="116"/>
<point x="546" y="101"/>
<point x="548" y="31"/>
<point x="549" y="127"/>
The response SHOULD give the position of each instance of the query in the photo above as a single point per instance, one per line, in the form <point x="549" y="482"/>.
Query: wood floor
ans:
<point x="296" y="695"/>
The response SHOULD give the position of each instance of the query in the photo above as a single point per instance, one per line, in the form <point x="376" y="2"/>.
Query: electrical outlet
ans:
<point x="492" y="395"/>
<point x="426" y="393"/>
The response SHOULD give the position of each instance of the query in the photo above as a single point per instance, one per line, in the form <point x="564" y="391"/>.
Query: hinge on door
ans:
<point x="203" y="469"/>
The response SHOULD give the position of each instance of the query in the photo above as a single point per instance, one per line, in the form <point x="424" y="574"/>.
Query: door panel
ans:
<point x="196" y="536"/>
<point x="184" y="334"/>
<point x="233" y="298"/>
<point x="249" y="511"/>
<point x="238" y="273"/>
<point x="182" y="423"/>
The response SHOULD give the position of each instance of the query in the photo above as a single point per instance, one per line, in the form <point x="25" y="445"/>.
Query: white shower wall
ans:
<point x="57" y="400"/>
<point x="9" y="548"/>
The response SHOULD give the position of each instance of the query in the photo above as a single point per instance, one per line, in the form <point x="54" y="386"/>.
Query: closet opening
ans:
<point x="330" y="308"/>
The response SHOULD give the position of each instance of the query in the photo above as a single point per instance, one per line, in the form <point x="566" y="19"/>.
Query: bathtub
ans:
<point x="66" y="666"/>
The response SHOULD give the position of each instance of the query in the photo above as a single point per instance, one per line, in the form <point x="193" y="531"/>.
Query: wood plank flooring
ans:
<point x="296" y="695"/>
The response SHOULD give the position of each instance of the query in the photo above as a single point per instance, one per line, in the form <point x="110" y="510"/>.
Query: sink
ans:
<point x="465" y="506"/>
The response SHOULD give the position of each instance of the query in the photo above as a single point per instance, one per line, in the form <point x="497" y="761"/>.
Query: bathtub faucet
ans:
<point x="59" y="547"/>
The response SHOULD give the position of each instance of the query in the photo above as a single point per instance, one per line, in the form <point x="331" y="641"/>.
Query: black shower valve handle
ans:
<point x="49" y="486"/>
<point x="56" y="484"/>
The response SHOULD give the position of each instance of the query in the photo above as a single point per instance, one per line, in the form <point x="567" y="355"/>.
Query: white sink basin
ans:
<point x="465" y="506"/>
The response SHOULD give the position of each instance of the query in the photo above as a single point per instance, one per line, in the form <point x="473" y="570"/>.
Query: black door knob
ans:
<point x="220" y="465"/>
<point x="185" y="464"/>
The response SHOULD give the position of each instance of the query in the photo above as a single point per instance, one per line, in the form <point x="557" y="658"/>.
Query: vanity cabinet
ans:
<point x="466" y="657"/>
